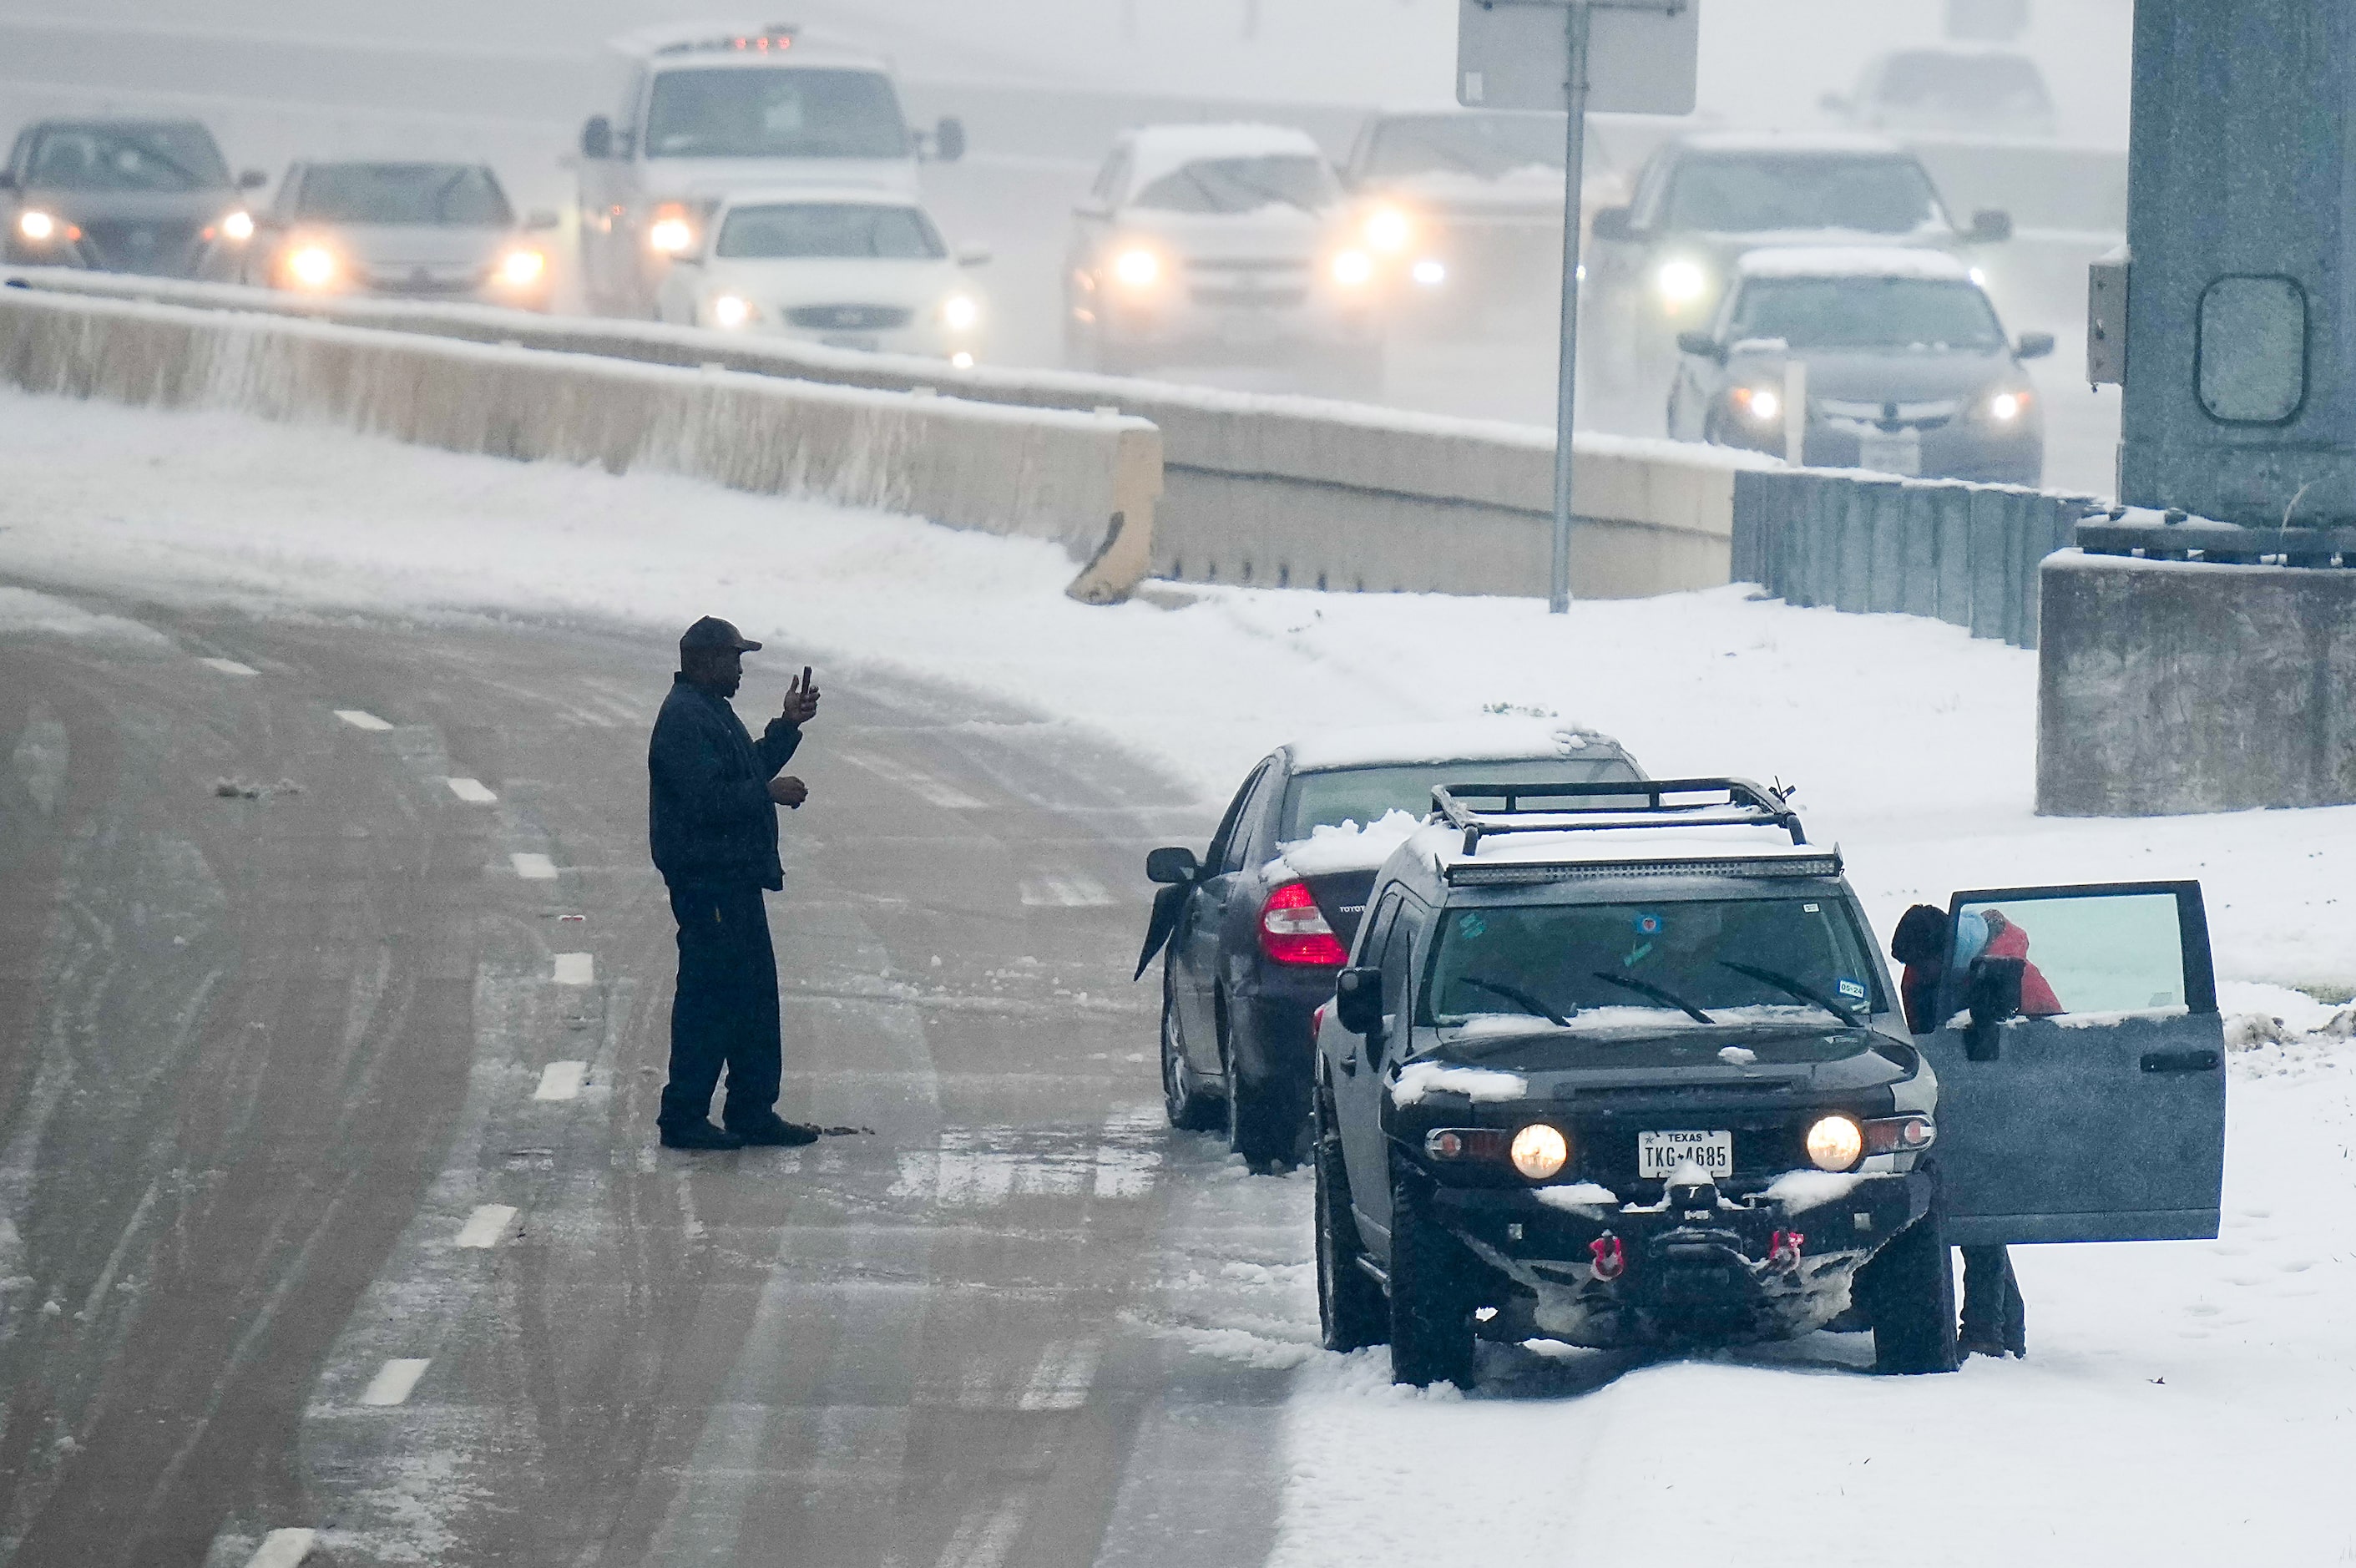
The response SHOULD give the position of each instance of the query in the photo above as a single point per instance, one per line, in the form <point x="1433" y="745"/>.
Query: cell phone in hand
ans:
<point x="806" y="677"/>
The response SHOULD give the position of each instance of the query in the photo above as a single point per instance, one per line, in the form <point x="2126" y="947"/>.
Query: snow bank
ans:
<point x="1577" y="1197"/>
<point x="1349" y="847"/>
<point x="1495" y="738"/>
<point x="1805" y="1189"/>
<point x="1480" y="1085"/>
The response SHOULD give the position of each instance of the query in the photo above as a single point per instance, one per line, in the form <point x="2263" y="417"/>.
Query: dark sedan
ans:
<point x="1255" y="932"/>
<point x="124" y="196"/>
<point x="1905" y="368"/>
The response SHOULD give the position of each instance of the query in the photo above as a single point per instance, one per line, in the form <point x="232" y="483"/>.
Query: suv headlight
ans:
<point x="1681" y="283"/>
<point x="522" y="268"/>
<point x="1761" y="405"/>
<point x="1352" y="268"/>
<point x="314" y="266"/>
<point x="37" y="226"/>
<point x="1136" y="268"/>
<point x="733" y="310"/>
<point x="1835" y="1143"/>
<point x="2006" y="404"/>
<point x="960" y="313"/>
<point x="238" y="226"/>
<point x="1388" y="230"/>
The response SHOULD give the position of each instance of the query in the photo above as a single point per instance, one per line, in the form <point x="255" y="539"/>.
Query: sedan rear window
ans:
<point x="1365" y="794"/>
<point x="1866" y="313"/>
<point x="1753" y="193"/>
<point x="157" y="158"/>
<point x="1573" y="958"/>
<point x="458" y="196"/>
<point x="829" y="229"/>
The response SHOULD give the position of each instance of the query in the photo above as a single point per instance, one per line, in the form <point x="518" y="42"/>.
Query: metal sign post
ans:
<point x="1644" y="52"/>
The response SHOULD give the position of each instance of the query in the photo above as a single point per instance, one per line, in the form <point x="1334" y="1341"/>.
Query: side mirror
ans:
<point x="1702" y="345"/>
<point x="1095" y="210"/>
<point x="1171" y="865"/>
<point x="253" y="179"/>
<point x="1989" y="227"/>
<point x="1992" y="992"/>
<point x="1614" y="223"/>
<point x="7" y="180"/>
<point x="540" y="219"/>
<point x="948" y="139"/>
<point x="1358" y="1001"/>
<point x="597" y="137"/>
<point x="975" y="256"/>
<point x="2035" y="344"/>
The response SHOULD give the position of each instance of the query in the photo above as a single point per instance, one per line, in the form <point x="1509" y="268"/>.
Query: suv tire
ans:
<point x="1431" y="1312"/>
<point x="1190" y="1109"/>
<point x="1909" y="1291"/>
<point x="1350" y="1309"/>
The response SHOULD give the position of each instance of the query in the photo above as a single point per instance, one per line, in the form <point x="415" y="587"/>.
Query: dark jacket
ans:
<point x="708" y="815"/>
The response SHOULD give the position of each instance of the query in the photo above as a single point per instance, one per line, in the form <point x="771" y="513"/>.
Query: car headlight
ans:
<point x="238" y="226"/>
<point x="521" y="269"/>
<point x="1835" y="1143"/>
<point x="670" y="235"/>
<point x="962" y="360"/>
<point x="1428" y="272"/>
<point x="1681" y="282"/>
<point x="2005" y="407"/>
<point x="1137" y="267"/>
<point x="731" y="311"/>
<point x="960" y="313"/>
<point x="313" y="266"/>
<point x="1765" y="405"/>
<point x="1388" y="230"/>
<point x="1541" y="1150"/>
<point x="1353" y="269"/>
<point x="37" y="226"/>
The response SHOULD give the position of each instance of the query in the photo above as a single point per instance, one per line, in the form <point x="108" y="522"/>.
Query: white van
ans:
<point x="701" y="109"/>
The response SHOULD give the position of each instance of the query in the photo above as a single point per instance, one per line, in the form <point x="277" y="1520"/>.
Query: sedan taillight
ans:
<point x="1291" y="930"/>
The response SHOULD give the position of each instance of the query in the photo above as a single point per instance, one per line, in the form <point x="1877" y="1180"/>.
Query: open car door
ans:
<point x="2083" y="1098"/>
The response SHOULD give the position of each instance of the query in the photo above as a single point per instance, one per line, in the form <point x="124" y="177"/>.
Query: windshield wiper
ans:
<point x="1645" y="988"/>
<point x="1791" y="987"/>
<point x="1518" y="997"/>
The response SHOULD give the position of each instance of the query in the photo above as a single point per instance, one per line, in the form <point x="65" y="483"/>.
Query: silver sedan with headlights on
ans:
<point x="411" y="230"/>
<point x="1223" y="245"/>
<point x="1903" y="368"/>
<point x="843" y="267"/>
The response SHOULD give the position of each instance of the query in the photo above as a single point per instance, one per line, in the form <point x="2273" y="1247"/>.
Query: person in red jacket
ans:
<point x="2006" y="939"/>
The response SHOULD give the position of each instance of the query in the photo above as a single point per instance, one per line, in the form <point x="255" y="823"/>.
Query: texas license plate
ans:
<point x="1658" y="1154"/>
<point x="1892" y="454"/>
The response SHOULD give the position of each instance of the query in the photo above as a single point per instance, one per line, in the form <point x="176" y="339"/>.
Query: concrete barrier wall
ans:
<point x="1086" y="481"/>
<point x="1260" y="489"/>
<point x="2168" y="687"/>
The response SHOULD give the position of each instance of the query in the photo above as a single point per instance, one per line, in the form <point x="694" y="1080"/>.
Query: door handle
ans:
<point x="1350" y="1064"/>
<point x="2183" y="1062"/>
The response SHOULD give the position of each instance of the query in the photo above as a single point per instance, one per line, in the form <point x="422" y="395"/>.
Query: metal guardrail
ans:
<point x="1963" y="554"/>
<point x="2173" y="536"/>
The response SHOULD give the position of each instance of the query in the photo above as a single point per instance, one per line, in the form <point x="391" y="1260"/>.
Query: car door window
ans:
<point x="1220" y="842"/>
<point x="1398" y="967"/>
<point x="1244" y="831"/>
<point x="2087" y="951"/>
<point x="1109" y="177"/>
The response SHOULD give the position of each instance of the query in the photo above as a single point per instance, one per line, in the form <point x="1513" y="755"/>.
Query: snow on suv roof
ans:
<point x="1499" y="739"/>
<point x="1158" y="150"/>
<point x="1856" y="142"/>
<point x="1853" y="261"/>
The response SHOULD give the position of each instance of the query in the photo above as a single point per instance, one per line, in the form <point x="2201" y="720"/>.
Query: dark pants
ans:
<point x="725" y="1010"/>
<point x="1993" y="1313"/>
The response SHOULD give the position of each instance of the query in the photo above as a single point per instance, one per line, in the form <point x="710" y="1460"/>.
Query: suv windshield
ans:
<point x="774" y="113"/>
<point x="1243" y="184"/>
<point x="1760" y="192"/>
<point x="829" y="229"/>
<point x="126" y="157"/>
<point x="1365" y="794"/>
<point x="1568" y="958"/>
<point x="1866" y="313"/>
<point x="457" y="195"/>
<point x="1486" y="147"/>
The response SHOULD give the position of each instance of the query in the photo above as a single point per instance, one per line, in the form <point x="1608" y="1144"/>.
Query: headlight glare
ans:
<point x="960" y="313"/>
<point x="731" y="311"/>
<point x="313" y="266"/>
<point x="1681" y="282"/>
<point x="1388" y="229"/>
<point x="670" y="235"/>
<point x="1764" y="404"/>
<point x="1541" y="1150"/>
<point x="2006" y="406"/>
<point x="1353" y="269"/>
<point x="1835" y="1143"/>
<point x="1429" y="272"/>
<point x="238" y="226"/>
<point x="1137" y="267"/>
<point x="36" y="225"/>
<point x="522" y="268"/>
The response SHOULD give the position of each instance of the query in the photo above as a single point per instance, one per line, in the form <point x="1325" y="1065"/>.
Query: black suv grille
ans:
<point x="849" y="318"/>
<point x="161" y="246"/>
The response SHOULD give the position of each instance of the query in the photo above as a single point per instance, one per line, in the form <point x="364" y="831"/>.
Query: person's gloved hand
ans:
<point x="788" y="791"/>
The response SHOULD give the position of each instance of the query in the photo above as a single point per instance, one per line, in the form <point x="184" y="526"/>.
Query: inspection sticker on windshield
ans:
<point x="1648" y="925"/>
<point x="1852" y="990"/>
<point x="1658" y="1154"/>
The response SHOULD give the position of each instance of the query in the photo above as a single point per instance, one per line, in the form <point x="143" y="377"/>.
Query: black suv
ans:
<point x="1638" y="1076"/>
<point x="1257" y="929"/>
<point x="124" y="196"/>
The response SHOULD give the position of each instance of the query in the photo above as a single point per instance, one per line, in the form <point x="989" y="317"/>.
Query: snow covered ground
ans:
<point x="2189" y="1402"/>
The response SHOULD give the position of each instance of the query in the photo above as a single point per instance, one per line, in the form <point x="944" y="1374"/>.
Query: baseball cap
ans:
<point x="711" y="634"/>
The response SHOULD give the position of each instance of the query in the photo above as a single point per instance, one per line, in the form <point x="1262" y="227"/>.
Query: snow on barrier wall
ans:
<point x="1275" y="490"/>
<point x="1086" y="481"/>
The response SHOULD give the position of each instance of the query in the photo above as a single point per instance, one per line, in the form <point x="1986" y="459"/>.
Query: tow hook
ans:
<point x="1611" y="1257"/>
<point x="1783" y="1250"/>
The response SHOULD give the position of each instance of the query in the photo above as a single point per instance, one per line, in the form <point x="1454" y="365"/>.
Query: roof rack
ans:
<point x="1605" y="804"/>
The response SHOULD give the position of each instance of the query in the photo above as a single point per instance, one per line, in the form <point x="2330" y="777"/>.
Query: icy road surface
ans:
<point x="1022" y="1324"/>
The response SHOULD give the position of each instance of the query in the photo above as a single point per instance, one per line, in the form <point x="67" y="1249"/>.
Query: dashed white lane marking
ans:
<point x="394" y="1381"/>
<point x="1066" y="891"/>
<point x="534" y="867"/>
<point x="1066" y="1374"/>
<point x="562" y="1080"/>
<point x="486" y="1224"/>
<point x="360" y="718"/>
<point x="229" y="666"/>
<point x="929" y="788"/>
<point x="576" y="969"/>
<point x="984" y="1537"/>
<point x="471" y="791"/>
<point x="283" y="1548"/>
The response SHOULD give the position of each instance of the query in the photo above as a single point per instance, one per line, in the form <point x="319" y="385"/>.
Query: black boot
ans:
<point x="775" y="1131"/>
<point x="700" y="1135"/>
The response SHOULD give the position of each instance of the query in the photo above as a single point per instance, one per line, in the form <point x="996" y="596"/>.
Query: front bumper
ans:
<point x="1701" y="1277"/>
<point x="1958" y="449"/>
<point x="1183" y="331"/>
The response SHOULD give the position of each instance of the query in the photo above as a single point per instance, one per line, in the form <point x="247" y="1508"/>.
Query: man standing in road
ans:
<point x="713" y="794"/>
